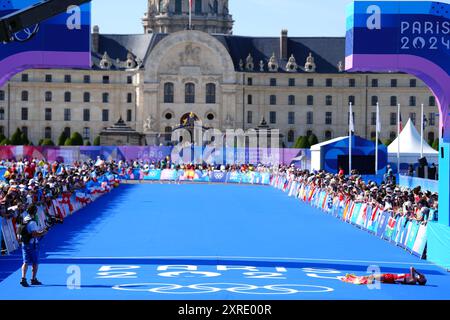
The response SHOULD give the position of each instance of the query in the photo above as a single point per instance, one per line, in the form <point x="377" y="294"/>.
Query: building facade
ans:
<point x="153" y="80"/>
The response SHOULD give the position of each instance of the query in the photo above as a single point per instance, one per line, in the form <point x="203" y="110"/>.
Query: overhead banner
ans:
<point x="59" y="42"/>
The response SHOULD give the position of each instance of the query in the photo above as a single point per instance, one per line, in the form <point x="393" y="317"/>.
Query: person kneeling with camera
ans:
<point x="29" y="234"/>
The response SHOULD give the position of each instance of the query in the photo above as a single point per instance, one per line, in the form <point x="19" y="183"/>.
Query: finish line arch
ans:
<point x="410" y="37"/>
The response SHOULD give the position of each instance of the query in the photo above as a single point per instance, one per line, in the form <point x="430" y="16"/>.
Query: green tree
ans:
<point x="87" y="143"/>
<point x="312" y="140"/>
<point x="68" y="142"/>
<point x="97" y="141"/>
<point x="304" y="143"/>
<point x="77" y="139"/>
<point x="2" y="137"/>
<point x="436" y="145"/>
<point x="47" y="143"/>
<point x="16" y="138"/>
<point x="297" y="143"/>
<point x="62" y="138"/>
<point x="387" y="142"/>
<point x="24" y="139"/>
<point x="5" y="142"/>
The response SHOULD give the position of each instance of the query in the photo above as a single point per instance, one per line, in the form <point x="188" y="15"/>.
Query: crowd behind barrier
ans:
<point x="404" y="224"/>
<point x="57" y="190"/>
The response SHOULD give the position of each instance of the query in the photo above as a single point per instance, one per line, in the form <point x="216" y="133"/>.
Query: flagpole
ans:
<point x="421" y="133"/>
<point x="398" y="139"/>
<point x="350" y="139"/>
<point x="376" y="142"/>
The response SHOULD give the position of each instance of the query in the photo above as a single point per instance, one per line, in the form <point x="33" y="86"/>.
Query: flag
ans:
<point x="425" y="121"/>
<point x="378" y="119"/>
<point x="351" y="120"/>
<point x="400" y="125"/>
<point x="190" y="5"/>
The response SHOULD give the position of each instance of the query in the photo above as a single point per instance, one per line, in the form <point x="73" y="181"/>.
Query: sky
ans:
<point x="252" y="17"/>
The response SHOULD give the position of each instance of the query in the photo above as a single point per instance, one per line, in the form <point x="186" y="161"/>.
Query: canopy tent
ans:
<point x="410" y="145"/>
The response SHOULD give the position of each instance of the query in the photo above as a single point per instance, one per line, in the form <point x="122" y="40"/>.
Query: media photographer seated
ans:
<point x="29" y="234"/>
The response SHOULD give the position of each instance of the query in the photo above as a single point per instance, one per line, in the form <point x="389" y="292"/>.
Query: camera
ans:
<point x="51" y="221"/>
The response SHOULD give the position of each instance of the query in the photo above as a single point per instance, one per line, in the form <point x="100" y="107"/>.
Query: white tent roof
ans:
<point x="410" y="143"/>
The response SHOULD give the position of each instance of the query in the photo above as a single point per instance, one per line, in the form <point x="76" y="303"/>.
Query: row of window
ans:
<point x="197" y="6"/>
<point x="68" y="78"/>
<point x="351" y="99"/>
<point x="189" y="93"/>
<point x="329" y="82"/>
<point x="48" y="96"/>
<point x="48" y="115"/>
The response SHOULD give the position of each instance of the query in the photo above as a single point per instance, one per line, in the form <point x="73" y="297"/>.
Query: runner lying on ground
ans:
<point x="414" y="277"/>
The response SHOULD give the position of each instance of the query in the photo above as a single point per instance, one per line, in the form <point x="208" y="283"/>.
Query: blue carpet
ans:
<point x="161" y="241"/>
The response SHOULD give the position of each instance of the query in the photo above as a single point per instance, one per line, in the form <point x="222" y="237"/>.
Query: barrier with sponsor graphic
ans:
<point x="410" y="235"/>
<point x="60" y="208"/>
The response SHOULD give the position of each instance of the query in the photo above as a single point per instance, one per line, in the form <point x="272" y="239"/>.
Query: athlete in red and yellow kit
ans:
<point x="411" y="278"/>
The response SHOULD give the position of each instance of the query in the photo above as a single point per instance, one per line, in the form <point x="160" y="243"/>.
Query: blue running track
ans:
<point x="168" y="241"/>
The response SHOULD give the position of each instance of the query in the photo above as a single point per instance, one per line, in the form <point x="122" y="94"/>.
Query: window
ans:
<point x="210" y="117"/>
<point x="273" y="100"/>
<point x="67" y="78"/>
<point x="67" y="131"/>
<point x="328" y="135"/>
<point x="216" y="7"/>
<point x="105" y="79"/>
<point x="394" y="83"/>
<point x="291" y="118"/>
<point x="129" y="79"/>
<point x="211" y="93"/>
<point x="2" y="130"/>
<point x="48" y="78"/>
<point x="48" y="114"/>
<point x="431" y="101"/>
<point x="412" y="116"/>
<point x="310" y="100"/>
<point x="291" y="136"/>
<point x="373" y="135"/>
<point x="273" y="117"/>
<point x="24" y="95"/>
<point x="168" y="133"/>
<point x="129" y="115"/>
<point x="25" y="131"/>
<point x="432" y="119"/>
<point x="393" y="101"/>
<point x="25" y="77"/>
<point x="249" y="117"/>
<point x="168" y="92"/>
<point x="87" y="79"/>
<point x="67" y="115"/>
<point x="67" y="97"/>
<point x="189" y="95"/>
<point x="129" y="98"/>
<point x="2" y="114"/>
<point x="169" y="116"/>
<point x="105" y="115"/>
<point x="249" y="81"/>
<point x="373" y="119"/>
<point x="352" y="100"/>
<point x="328" y="118"/>
<point x="412" y="101"/>
<point x="413" y="83"/>
<point x="393" y="135"/>
<point x="329" y="100"/>
<point x="273" y="82"/>
<point x="86" y="133"/>
<point x="86" y="97"/>
<point x="351" y="83"/>
<point x="393" y="119"/>
<point x="24" y="114"/>
<point x="329" y="82"/>
<point x="86" y="115"/>
<point x="291" y="100"/>
<point x="374" y="100"/>
<point x="198" y="7"/>
<point x="292" y="82"/>
<point x="309" y="117"/>
<point x="310" y="82"/>
<point x="48" y="133"/>
<point x="249" y="99"/>
<point x="2" y="95"/>
<point x="48" y="96"/>
<point x="374" y="83"/>
<point x="178" y="7"/>
<point x="105" y="97"/>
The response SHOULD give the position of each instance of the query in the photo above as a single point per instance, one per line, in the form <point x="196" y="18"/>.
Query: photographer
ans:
<point x="29" y="234"/>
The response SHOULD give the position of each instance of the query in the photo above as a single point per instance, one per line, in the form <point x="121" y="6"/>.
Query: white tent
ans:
<point x="410" y="147"/>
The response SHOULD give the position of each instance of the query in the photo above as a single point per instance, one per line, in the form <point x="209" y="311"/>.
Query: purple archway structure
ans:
<point x="410" y="37"/>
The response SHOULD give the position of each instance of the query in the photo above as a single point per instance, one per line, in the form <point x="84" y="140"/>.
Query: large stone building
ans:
<point x="153" y="80"/>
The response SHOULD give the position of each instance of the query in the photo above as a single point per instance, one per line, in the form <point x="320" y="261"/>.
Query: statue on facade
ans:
<point x="163" y="6"/>
<point x="149" y="124"/>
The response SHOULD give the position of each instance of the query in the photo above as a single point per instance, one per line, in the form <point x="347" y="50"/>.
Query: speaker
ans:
<point x="423" y="162"/>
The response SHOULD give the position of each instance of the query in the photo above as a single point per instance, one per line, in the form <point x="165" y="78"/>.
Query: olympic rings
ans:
<point x="205" y="288"/>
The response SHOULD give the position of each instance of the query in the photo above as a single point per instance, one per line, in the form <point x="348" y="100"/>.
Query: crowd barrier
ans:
<point x="60" y="208"/>
<point x="409" y="235"/>
<point x="260" y="178"/>
<point x="413" y="182"/>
